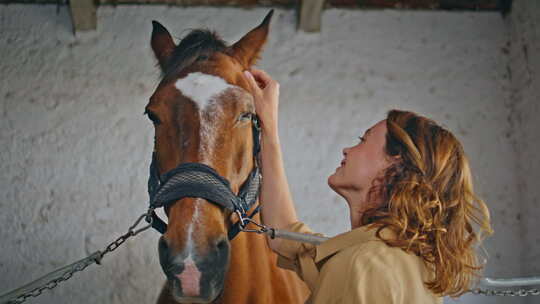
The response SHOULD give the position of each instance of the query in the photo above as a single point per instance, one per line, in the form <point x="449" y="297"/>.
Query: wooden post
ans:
<point x="83" y="15"/>
<point x="310" y="15"/>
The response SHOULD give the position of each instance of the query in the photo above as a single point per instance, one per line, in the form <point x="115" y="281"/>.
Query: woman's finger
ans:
<point x="251" y="81"/>
<point x="262" y="76"/>
<point x="260" y="73"/>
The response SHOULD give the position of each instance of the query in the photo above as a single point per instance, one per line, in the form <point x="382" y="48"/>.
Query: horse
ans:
<point x="201" y="112"/>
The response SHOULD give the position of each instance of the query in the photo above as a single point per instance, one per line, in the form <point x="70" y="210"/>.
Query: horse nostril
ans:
<point x="222" y="244"/>
<point x="162" y="244"/>
<point x="163" y="250"/>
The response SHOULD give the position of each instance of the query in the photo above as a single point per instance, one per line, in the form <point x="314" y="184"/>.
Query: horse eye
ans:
<point x="245" y="116"/>
<point x="153" y="117"/>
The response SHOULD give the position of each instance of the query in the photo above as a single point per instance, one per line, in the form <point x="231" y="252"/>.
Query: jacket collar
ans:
<point x="347" y="239"/>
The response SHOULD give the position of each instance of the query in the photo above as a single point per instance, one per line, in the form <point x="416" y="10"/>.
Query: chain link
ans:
<point x="131" y="232"/>
<point x="82" y="264"/>
<point x="49" y="285"/>
<point x="245" y="220"/>
<point x="507" y="293"/>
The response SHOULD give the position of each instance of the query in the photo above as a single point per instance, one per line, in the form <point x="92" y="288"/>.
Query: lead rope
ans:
<point x="513" y="282"/>
<point x="52" y="279"/>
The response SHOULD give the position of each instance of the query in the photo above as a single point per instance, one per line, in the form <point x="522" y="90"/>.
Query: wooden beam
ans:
<point x="310" y="15"/>
<point x="461" y="5"/>
<point x="83" y="15"/>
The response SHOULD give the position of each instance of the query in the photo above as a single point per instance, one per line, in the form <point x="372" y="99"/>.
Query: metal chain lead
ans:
<point x="245" y="220"/>
<point x="507" y="293"/>
<point x="77" y="266"/>
<point x="51" y="284"/>
<point x="131" y="232"/>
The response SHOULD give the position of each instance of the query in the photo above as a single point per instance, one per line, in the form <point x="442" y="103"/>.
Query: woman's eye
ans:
<point x="361" y="138"/>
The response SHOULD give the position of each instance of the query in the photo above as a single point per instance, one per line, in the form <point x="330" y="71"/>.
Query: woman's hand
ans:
<point x="265" y="90"/>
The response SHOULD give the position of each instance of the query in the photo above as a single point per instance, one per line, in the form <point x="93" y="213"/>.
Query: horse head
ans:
<point x="201" y="111"/>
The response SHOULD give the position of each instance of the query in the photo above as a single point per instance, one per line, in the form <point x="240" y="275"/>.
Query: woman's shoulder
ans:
<point x="373" y="258"/>
<point x="360" y="252"/>
<point x="373" y="253"/>
<point x="377" y="254"/>
<point x="375" y="271"/>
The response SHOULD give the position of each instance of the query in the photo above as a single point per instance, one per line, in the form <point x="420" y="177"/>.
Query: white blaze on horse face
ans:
<point x="191" y="276"/>
<point x="204" y="90"/>
<point x="190" y="246"/>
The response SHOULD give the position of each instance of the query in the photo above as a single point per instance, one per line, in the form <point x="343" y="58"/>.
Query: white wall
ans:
<point x="75" y="146"/>
<point x="525" y="112"/>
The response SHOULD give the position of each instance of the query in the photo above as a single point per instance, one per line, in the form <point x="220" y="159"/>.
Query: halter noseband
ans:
<point x="200" y="180"/>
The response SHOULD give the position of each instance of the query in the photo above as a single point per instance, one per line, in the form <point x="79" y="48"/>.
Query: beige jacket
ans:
<point x="357" y="267"/>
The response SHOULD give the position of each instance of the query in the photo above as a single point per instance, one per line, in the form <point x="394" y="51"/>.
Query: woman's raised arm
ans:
<point x="278" y="209"/>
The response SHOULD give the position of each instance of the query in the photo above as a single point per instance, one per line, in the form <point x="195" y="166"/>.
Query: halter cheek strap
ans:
<point x="200" y="180"/>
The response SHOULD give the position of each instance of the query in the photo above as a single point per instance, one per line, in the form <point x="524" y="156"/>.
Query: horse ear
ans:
<point x="162" y="43"/>
<point x="247" y="49"/>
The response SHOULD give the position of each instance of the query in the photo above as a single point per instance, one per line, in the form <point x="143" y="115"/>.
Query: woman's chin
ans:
<point x="332" y="182"/>
<point x="336" y="183"/>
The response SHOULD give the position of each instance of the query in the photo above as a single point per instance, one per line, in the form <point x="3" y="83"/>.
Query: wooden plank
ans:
<point x="310" y="15"/>
<point x="477" y="5"/>
<point x="83" y="15"/>
<point x="234" y="3"/>
<point x="421" y="4"/>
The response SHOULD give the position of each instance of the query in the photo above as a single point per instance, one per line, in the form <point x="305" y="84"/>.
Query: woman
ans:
<point x="415" y="219"/>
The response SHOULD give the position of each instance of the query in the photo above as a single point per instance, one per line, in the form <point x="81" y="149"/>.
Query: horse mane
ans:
<point x="198" y="44"/>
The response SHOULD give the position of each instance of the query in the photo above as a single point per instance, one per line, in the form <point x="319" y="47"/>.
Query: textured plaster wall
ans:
<point x="75" y="146"/>
<point x="525" y="106"/>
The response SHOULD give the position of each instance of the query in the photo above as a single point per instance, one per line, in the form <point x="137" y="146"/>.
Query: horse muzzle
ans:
<point x="192" y="277"/>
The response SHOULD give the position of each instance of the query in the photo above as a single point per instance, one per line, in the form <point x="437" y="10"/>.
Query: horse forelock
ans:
<point x="198" y="43"/>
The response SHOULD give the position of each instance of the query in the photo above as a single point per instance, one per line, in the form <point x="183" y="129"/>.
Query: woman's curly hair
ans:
<point x="429" y="202"/>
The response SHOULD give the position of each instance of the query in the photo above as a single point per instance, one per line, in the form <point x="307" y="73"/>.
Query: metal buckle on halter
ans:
<point x="244" y="220"/>
<point x="241" y="218"/>
<point x="147" y="217"/>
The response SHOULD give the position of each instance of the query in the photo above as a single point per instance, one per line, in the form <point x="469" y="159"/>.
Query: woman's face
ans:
<point x="361" y="164"/>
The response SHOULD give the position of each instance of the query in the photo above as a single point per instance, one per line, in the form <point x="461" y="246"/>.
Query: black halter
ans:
<point x="200" y="180"/>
